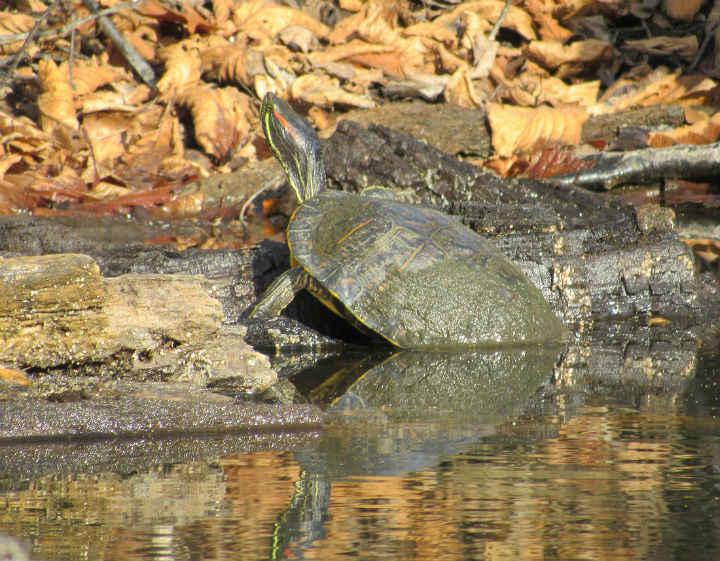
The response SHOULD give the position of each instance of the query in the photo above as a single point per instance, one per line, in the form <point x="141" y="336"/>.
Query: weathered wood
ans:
<point x="58" y="313"/>
<point x="51" y="309"/>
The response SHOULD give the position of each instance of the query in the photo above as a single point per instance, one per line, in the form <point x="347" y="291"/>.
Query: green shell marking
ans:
<point x="416" y="276"/>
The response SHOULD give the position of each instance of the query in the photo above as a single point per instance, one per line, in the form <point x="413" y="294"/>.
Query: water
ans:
<point x="612" y="454"/>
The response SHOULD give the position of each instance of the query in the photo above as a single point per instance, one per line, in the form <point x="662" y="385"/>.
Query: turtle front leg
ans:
<point x="281" y="292"/>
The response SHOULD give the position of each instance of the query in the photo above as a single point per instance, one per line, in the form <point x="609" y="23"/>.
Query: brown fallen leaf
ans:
<point x="109" y="134"/>
<point x="13" y="376"/>
<point x="65" y="186"/>
<point x="354" y="48"/>
<point x="325" y="91"/>
<point x="105" y="191"/>
<point x="556" y="92"/>
<point x="460" y="90"/>
<point x="185" y="16"/>
<point x="684" y="10"/>
<point x="56" y="103"/>
<point x="522" y="129"/>
<point x="345" y="29"/>
<point x="648" y="86"/>
<point x="516" y="18"/>
<point x="219" y="118"/>
<point x="553" y="54"/>
<point x="95" y="74"/>
<point x="182" y="69"/>
<point x="547" y="163"/>
<point x="431" y="30"/>
<point x="707" y="248"/>
<point x="703" y="132"/>
<point x="299" y="38"/>
<point x="184" y="206"/>
<point x="13" y="24"/>
<point x="379" y="25"/>
<point x="686" y="47"/>
<point x="257" y="15"/>
<point x="548" y="26"/>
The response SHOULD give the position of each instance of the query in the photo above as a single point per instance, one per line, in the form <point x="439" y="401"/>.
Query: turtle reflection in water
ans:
<point x="413" y="276"/>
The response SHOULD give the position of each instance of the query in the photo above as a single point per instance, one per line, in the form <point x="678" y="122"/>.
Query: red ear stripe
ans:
<point x="285" y="125"/>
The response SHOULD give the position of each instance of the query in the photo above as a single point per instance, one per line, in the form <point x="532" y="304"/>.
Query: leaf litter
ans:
<point x="84" y="134"/>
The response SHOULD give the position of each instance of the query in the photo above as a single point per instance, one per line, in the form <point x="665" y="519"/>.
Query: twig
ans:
<point x="68" y="27"/>
<point x="272" y="183"/>
<point x="133" y="58"/>
<point x="499" y="21"/>
<point x="28" y="39"/>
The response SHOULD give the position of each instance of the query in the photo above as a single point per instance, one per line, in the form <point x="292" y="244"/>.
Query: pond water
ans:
<point x="607" y="450"/>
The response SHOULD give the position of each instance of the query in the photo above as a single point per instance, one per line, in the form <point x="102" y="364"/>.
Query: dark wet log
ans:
<point x="608" y="127"/>
<point x="649" y="165"/>
<point x="594" y="258"/>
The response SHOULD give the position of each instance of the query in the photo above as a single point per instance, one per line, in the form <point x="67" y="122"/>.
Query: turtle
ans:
<point x="412" y="276"/>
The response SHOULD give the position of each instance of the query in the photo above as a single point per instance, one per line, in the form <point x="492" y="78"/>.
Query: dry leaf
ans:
<point x="378" y="26"/>
<point x="460" y="91"/>
<point x="547" y="163"/>
<point x="299" y="38"/>
<point x="13" y="24"/>
<point x="484" y="54"/>
<point x="321" y="90"/>
<point x="703" y="132"/>
<point x="254" y="16"/>
<point x="431" y="30"/>
<point x="351" y="5"/>
<point x="184" y="206"/>
<point x="553" y="54"/>
<point x="66" y="186"/>
<point x="8" y="161"/>
<point x="87" y="79"/>
<point x="108" y="134"/>
<point x="684" y="10"/>
<point x="516" y="19"/>
<point x="556" y="92"/>
<point x="521" y="129"/>
<point x="13" y="376"/>
<point x="56" y="103"/>
<point x="685" y="47"/>
<point x="354" y="48"/>
<point x="187" y="16"/>
<point x="548" y="27"/>
<point x="219" y="118"/>
<point x="346" y="28"/>
<point x="182" y="69"/>
<point x="657" y="86"/>
<point x="105" y="191"/>
<point x="707" y="248"/>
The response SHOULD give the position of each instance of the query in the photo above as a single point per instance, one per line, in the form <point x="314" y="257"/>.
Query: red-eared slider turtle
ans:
<point x="414" y="276"/>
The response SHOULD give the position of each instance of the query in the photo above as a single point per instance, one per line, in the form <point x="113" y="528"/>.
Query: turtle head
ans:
<point x="296" y="145"/>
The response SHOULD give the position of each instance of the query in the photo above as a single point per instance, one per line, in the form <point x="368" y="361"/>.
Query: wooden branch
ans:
<point x="138" y="63"/>
<point x="647" y="166"/>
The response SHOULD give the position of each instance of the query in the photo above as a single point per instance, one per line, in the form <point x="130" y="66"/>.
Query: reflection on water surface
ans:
<point x="610" y="454"/>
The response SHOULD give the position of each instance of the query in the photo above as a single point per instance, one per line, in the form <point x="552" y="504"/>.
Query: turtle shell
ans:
<point x="415" y="276"/>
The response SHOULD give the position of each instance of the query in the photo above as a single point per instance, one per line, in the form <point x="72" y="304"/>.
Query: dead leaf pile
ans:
<point x="84" y="134"/>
